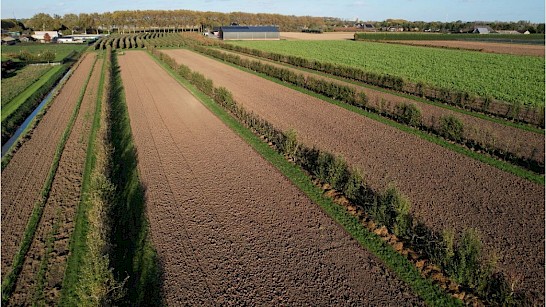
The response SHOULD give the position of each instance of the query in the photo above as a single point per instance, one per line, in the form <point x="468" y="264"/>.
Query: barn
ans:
<point x="249" y="33"/>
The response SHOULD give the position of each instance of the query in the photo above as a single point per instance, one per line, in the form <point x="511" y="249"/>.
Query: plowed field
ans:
<point x="448" y="190"/>
<point x="517" y="49"/>
<point x="525" y="144"/>
<point x="24" y="177"/>
<point x="227" y="226"/>
<point x="50" y="245"/>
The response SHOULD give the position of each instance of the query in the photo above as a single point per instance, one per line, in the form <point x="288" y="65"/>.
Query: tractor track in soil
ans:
<point x="448" y="190"/>
<point x="227" y="226"/>
<point x="24" y="177"/>
<point x="50" y="246"/>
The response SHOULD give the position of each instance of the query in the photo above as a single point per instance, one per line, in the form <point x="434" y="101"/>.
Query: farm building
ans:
<point x="40" y="35"/>
<point x="249" y="33"/>
<point x="8" y="41"/>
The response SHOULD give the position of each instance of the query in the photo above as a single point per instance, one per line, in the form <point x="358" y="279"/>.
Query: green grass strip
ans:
<point x="78" y="246"/>
<point x="16" y="102"/>
<point x="8" y="283"/>
<point x="504" y="166"/>
<point x="406" y="271"/>
<point x="483" y="116"/>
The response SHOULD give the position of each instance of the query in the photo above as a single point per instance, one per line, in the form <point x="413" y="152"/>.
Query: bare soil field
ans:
<point x="24" y="176"/>
<point x="525" y="144"/>
<point x="57" y="223"/>
<point x="448" y="190"/>
<point x="504" y="48"/>
<point x="317" y="36"/>
<point x="229" y="229"/>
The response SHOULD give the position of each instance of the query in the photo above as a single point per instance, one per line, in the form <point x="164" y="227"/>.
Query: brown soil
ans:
<point x="524" y="144"/>
<point x="229" y="229"/>
<point x="317" y="36"/>
<point x="448" y="190"/>
<point x="57" y="222"/>
<point x="24" y="177"/>
<point x="504" y="48"/>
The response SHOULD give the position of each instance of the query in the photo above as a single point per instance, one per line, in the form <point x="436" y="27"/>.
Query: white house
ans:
<point x="39" y="35"/>
<point x="65" y="40"/>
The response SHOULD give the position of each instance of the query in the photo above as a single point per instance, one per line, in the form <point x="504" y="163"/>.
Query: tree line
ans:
<point x="142" y="20"/>
<point x="131" y="21"/>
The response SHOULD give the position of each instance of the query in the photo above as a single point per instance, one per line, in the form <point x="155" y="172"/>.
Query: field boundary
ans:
<point x="10" y="280"/>
<point x="22" y="137"/>
<point x="479" y="115"/>
<point x="133" y="256"/>
<point x="405" y="270"/>
<point x="18" y="100"/>
<point x="532" y="114"/>
<point x="77" y="245"/>
<point x="502" y="165"/>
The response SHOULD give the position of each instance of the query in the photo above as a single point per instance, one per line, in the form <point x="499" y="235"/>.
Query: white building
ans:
<point x="39" y="35"/>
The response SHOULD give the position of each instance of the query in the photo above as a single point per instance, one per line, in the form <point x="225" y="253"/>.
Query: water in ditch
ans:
<point x="28" y="120"/>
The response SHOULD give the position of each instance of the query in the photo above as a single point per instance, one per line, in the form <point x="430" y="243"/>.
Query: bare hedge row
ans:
<point x="528" y="114"/>
<point x="461" y="258"/>
<point x="449" y="127"/>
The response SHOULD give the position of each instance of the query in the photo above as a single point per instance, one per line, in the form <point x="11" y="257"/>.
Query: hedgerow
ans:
<point x="463" y="261"/>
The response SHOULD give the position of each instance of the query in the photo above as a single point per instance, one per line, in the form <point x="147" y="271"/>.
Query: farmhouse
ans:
<point x="65" y="40"/>
<point x="249" y="33"/>
<point x="8" y="41"/>
<point x="40" y="35"/>
<point x="482" y="30"/>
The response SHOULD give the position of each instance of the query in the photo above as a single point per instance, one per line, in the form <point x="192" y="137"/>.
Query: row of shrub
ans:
<point x="96" y="285"/>
<point x="461" y="258"/>
<point x="527" y="114"/>
<point x="127" y="41"/>
<point x="448" y="127"/>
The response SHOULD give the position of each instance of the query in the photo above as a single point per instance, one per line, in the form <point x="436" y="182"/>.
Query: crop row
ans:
<point x="127" y="41"/>
<point x="506" y="86"/>
<point x="448" y="127"/>
<point x="461" y="258"/>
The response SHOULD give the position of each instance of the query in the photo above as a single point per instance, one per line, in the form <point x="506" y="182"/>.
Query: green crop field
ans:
<point x="514" y="79"/>
<point x="21" y="80"/>
<point x="61" y="50"/>
<point x="505" y="38"/>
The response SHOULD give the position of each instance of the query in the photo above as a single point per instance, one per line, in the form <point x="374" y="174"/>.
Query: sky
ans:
<point x="367" y="10"/>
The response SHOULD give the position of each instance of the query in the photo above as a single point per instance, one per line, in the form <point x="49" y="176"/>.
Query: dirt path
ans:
<point x="317" y="36"/>
<point x="57" y="223"/>
<point x="24" y="177"/>
<point x="503" y="48"/>
<point x="447" y="190"/>
<point x="525" y="144"/>
<point x="228" y="227"/>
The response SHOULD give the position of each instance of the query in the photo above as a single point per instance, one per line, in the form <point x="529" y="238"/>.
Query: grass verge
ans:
<point x="133" y="257"/>
<point x="405" y="270"/>
<point x="16" y="102"/>
<point x="22" y="137"/>
<point x="77" y="247"/>
<point x="478" y="115"/>
<point x="8" y="284"/>
<point x="502" y="165"/>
